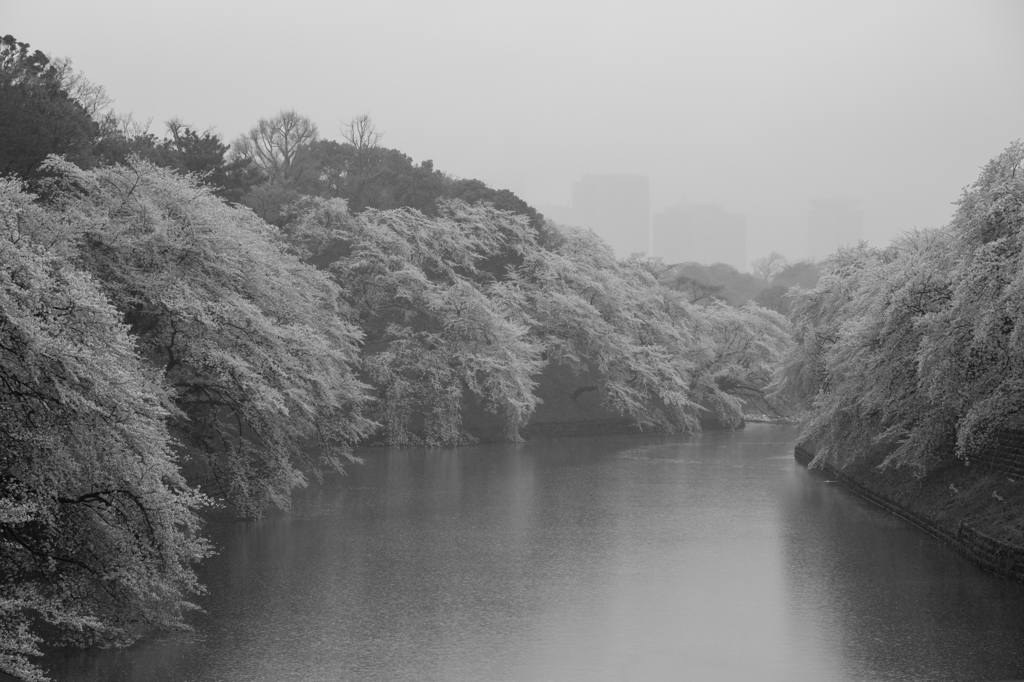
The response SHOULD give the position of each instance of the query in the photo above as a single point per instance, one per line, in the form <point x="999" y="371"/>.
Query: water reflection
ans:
<point x="890" y="600"/>
<point x="633" y="558"/>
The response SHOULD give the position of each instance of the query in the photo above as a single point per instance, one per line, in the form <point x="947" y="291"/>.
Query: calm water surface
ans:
<point x="712" y="557"/>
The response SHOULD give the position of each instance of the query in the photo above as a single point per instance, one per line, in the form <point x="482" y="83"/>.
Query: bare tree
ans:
<point x="125" y="126"/>
<point x="175" y="126"/>
<point x="766" y="268"/>
<point x="91" y="96"/>
<point x="361" y="132"/>
<point x="274" y="145"/>
<point x="179" y="129"/>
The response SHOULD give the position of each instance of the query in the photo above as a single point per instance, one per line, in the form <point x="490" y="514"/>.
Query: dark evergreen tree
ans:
<point x="38" y="116"/>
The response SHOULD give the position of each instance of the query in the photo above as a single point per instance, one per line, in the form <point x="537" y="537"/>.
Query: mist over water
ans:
<point x="712" y="557"/>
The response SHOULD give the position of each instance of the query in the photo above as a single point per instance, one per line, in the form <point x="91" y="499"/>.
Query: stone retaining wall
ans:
<point x="1001" y="558"/>
<point x="1006" y="454"/>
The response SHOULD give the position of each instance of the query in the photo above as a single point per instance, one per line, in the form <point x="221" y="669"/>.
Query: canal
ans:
<point x="648" y="558"/>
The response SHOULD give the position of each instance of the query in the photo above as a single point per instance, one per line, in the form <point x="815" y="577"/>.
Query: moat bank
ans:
<point x="977" y="508"/>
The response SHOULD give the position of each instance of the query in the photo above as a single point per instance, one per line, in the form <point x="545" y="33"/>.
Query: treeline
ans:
<point x="186" y="323"/>
<point x="48" y="108"/>
<point x="769" y="286"/>
<point x="916" y="351"/>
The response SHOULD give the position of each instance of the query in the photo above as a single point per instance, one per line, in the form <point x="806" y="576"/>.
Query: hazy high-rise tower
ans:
<point x="617" y="208"/>
<point x="702" y="233"/>
<point x="833" y="223"/>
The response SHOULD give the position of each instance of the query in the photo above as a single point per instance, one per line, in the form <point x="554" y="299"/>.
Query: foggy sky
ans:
<point x="757" y="106"/>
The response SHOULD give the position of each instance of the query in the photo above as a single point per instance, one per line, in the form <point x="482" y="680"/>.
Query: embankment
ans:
<point x="977" y="508"/>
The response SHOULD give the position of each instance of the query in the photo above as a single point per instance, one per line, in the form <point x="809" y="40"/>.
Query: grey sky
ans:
<point x="759" y="106"/>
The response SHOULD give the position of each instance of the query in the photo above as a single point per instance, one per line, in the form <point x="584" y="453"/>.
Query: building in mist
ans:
<point x="617" y="208"/>
<point x="701" y="233"/>
<point x="832" y="223"/>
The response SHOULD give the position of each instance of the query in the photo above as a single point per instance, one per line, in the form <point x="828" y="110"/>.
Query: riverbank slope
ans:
<point x="976" y="508"/>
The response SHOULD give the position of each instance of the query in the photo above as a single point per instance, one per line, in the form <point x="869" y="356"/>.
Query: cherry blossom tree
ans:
<point x="748" y="342"/>
<point x="663" y="362"/>
<point x="437" y="327"/>
<point x="976" y="342"/>
<point x="916" y="349"/>
<point x="99" y="528"/>
<point x="254" y="344"/>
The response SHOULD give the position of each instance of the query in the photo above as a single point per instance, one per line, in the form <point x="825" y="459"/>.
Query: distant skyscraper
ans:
<point x="833" y="223"/>
<point x="702" y="233"/>
<point x="617" y="208"/>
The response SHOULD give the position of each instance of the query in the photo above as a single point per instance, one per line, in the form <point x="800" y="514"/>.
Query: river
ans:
<point x="647" y="558"/>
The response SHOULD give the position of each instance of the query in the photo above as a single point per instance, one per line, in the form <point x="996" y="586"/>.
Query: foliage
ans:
<point x="475" y="191"/>
<point x="785" y="283"/>
<point x="771" y="286"/>
<point x="442" y="327"/>
<point x="253" y="343"/>
<point x="803" y="274"/>
<point x="184" y="150"/>
<point x="773" y="297"/>
<point x="916" y="348"/>
<point x="748" y="343"/>
<point x="370" y="176"/>
<point x="694" y="289"/>
<point x="976" y="341"/>
<point x="276" y="150"/>
<point x="99" y="529"/>
<point x="663" y="362"/>
<point x="592" y="312"/>
<point x="860" y="334"/>
<point x="435" y="325"/>
<point x="39" y="115"/>
<point x="704" y="283"/>
<point x="293" y="161"/>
